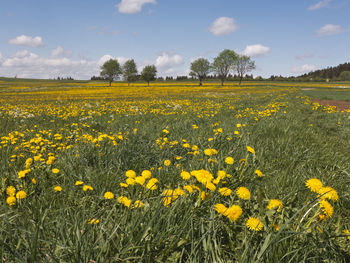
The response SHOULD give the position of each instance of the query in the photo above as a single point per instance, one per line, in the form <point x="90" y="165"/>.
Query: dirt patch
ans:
<point x="340" y="104"/>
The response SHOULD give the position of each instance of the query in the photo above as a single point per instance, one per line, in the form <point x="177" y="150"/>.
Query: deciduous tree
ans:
<point x="223" y="63"/>
<point x="200" y="68"/>
<point x="111" y="70"/>
<point x="149" y="73"/>
<point x="129" y="71"/>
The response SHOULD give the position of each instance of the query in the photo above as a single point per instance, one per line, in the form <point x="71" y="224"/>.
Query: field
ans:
<point x="173" y="172"/>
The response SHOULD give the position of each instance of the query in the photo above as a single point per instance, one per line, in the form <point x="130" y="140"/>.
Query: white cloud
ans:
<point x="223" y="26"/>
<point x="329" y="30"/>
<point x="105" y="58"/>
<point x="256" y="50"/>
<point x="304" y="68"/>
<point x="29" y="41"/>
<point x="319" y="5"/>
<point x="304" y="56"/>
<point x="168" y="60"/>
<point x="60" y="52"/>
<point x="133" y="6"/>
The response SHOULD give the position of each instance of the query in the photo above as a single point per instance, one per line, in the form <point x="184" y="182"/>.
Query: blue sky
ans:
<point x="50" y="38"/>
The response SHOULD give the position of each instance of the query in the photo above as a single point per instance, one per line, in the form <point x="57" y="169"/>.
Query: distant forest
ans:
<point x="340" y="72"/>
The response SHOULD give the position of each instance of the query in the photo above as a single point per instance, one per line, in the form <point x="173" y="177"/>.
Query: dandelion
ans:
<point x="313" y="184"/>
<point x="146" y="174"/>
<point x="130" y="181"/>
<point x="243" y="193"/>
<point x="33" y="180"/>
<point x="233" y="212"/>
<point x="93" y="221"/>
<point x="108" y="195"/>
<point x="210" y="152"/>
<point x="327" y="208"/>
<point x="11" y="200"/>
<point x="188" y="188"/>
<point x="87" y="188"/>
<point x="140" y="180"/>
<point x="152" y="184"/>
<point x="11" y="190"/>
<point x="221" y="174"/>
<point x="21" y="195"/>
<point x="220" y="208"/>
<point x="124" y="185"/>
<point x="229" y="160"/>
<point x="347" y="232"/>
<point x="254" y="224"/>
<point x="185" y="175"/>
<point x="210" y="186"/>
<point x="77" y="183"/>
<point x="328" y="192"/>
<point x="55" y="170"/>
<point x="251" y="150"/>
<point x="138" y="204"/>
<point x="258" y="173"/>
<point x="167" y="163"/>
<point x="130" y="174"/>
<point x="224" y="191"/>
<point x="57" y="188"/>
<point x="275" y="203"/>
<point x="124" y="200"/>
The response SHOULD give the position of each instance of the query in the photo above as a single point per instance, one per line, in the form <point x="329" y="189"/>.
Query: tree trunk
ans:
<point x="222" y="82"/>
<point x="240" y="79"/>
<point x="110" y="82"/>
<point x="148" y="83"/>
<point x="200" y="82"/>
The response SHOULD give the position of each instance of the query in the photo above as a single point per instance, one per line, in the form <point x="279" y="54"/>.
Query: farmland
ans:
<point x="174" y="172"/>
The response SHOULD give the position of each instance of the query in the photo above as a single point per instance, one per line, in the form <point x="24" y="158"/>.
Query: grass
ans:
<point x="96" y="137"/>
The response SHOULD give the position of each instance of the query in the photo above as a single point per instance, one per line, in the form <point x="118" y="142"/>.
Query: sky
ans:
<point x="51" y="38"/>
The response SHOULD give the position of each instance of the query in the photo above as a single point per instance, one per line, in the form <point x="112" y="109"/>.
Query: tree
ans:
<point x="200" y="68"/>
<point x="111" y="70"/>
<point x="149" y="73"/>
<point x="345" y="75"/>
<point x="243" y="65"/>
<point x="129" y="71"/>
<point x="223" y="63"/>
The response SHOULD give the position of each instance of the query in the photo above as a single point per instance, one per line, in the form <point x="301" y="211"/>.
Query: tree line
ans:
<point x="225" y="63"/>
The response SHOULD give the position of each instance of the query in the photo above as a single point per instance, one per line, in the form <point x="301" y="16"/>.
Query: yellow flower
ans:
<point x="243" y="193"/>
<point x="140" y="180"/>
<point x="205" y="195"/>
<point x="55" y="170"/>
<point x="327" y="208"/>
<point x="79" y="183"/>
<point x="313" y="184"/>
<point x="229" y="160"/>
<point x="258" y="173"/>
<point x="11" y="200"/>
<point x="220" y="208"/>
<point x="93" y="221"/>
<point x="210" y="186"/>
<point x="185" y="175"/>
<point x="108" y="195"/>
<point x="233" y="212"/>
<point x="347" y="232"/>
<point x="152" y="184"/>
<point x="210" y="152"/>
<point x="167" y="162"/>
<point x="146" y="174"/>
<point x="130" y="174"/>
<point x="33" y="180"/>
<point x="224" y="191"/>
<point x="186" y="145"/>
<point x="130" y="181"/>
<point x="124" y="200"/>
<point x="250" y="149"/>
<point x="138" y="204"/>
<point x="21" y="195"/>
<point x="329" y="193"/>
<point x="254" y="224"/>
<point x="11" y="190"/>
<point x="273" y="203"/>
<point x="202" y="176"/>
<point x="57" y="188"/>
<point x="221" y="174"/>
<point x="188" y="188"/>
<point x="123" y="185"/>
<point x="87" y="188"/>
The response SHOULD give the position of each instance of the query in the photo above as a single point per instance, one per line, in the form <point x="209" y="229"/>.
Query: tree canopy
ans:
<point x="223" y="63"/>
<point x="111" y="70"/>
<point x="243" y="65"/>
<point x="200" y="68"/>
<point x="129" y="71"/>
<point x="149" y="73"/>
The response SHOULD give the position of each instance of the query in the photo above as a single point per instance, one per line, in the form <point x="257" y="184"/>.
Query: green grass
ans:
<point x="328" y="94"/>
<point x="52" y="227"/>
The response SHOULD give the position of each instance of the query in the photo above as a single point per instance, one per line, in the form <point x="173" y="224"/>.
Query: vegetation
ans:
<point x="243" y="65"/>
<point x="181" y="174"/>
<point x="200" y="68"/>
<point x="111" y="70"/>
<point x="129" y="71"/>
<point x="149" y="73"/>
<point x="223" y="64"/>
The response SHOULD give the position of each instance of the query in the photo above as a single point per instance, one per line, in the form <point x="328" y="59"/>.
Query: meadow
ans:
<point x="173" y="172"/>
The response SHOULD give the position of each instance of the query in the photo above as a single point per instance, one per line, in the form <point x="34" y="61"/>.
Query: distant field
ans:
<point x="173" y="172"/>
